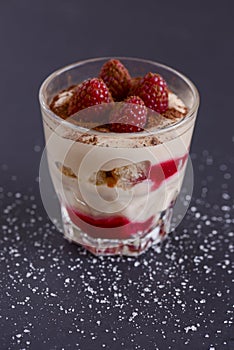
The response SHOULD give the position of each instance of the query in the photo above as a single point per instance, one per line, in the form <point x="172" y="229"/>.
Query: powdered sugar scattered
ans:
<point x="190" y="328"/>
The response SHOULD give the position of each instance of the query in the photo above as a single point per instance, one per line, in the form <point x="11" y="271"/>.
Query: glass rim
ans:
<point x="171" y="127"/>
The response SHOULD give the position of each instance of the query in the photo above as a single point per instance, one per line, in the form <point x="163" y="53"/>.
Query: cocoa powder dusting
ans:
<point x="172" y="113"/>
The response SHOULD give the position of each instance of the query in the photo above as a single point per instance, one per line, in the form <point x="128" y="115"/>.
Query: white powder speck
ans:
<point x="134" y="314"/>
<point x="90" y="289"/>
<point x="192" y="328"/>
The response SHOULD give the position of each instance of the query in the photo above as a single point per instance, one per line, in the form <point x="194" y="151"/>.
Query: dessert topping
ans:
<point x="136" y="95"/>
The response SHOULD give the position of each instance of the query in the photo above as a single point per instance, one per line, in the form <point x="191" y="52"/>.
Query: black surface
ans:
<point x="55" y="296"/>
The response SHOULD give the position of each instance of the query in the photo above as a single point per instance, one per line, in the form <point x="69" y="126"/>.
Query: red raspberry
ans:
<point x="116" y="77"/>
<point x="130" y="116"/>
<point x="154" y="92"/>
<point x="89" y="93"/>
<point x="135" y="100"/>
<point x="155" y="79"/>
<point x="155" y="97"/>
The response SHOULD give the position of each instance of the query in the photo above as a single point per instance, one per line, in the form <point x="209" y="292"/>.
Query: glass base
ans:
<point x="132" y="246"/>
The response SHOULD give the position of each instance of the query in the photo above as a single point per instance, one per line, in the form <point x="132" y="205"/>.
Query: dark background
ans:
<point x="37" y="37"/>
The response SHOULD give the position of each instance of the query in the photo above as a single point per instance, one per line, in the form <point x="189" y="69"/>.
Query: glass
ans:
<point x="128" y="217"/>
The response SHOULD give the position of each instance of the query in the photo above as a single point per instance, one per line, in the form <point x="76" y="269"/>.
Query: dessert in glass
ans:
<point x="118" y="133"/>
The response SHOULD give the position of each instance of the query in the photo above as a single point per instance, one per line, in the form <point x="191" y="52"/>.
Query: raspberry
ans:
<point x="117" y="78"/>
<point x="155" y="79"/>
<point x="153" y="91"/>
<point x="89" y="93"/>
<point x="135" y="100"/>
<point x="154" y="96"/>
<point x="131" y="116"/>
